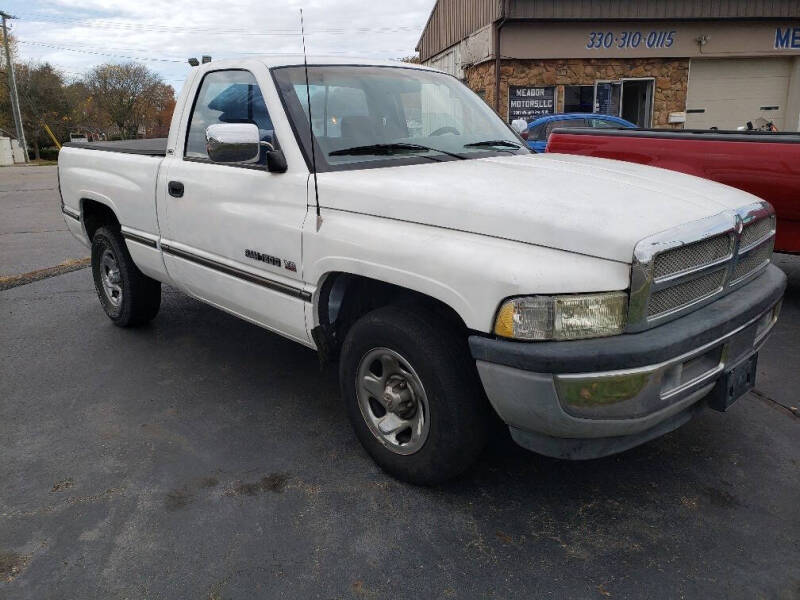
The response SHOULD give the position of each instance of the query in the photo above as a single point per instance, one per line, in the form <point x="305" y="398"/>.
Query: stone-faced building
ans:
<point x="658" y="63"/>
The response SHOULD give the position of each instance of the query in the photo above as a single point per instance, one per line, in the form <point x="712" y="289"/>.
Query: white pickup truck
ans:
<point x="384" y="215"/>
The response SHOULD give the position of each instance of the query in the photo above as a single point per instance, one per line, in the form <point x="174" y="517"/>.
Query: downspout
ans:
<point x="498" y="26"/>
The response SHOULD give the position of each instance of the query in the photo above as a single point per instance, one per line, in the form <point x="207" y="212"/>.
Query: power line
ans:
<point x="105" y="24"/>
<point x="114" y="51"/>
<point x="100" y="53"/>
<point x="67" y="72"/>
<point x="290" y="32"/>
<point x="83" y="46"/>
<point x="143" y="54"/>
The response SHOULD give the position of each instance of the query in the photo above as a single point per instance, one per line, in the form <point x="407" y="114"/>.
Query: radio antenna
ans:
<point x="310" y="122"/>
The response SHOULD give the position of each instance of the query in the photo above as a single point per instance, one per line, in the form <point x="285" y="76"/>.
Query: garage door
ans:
<point x="726" y="93"/>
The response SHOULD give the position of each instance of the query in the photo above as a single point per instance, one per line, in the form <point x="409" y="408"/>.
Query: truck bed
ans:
<point x="148" y="147"/>
<point x="776" y="137"/>
<point x="766" y="164"/>
<point x="125" y="173"/>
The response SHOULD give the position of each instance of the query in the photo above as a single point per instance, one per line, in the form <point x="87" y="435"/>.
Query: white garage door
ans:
<point x="727" y="92"/>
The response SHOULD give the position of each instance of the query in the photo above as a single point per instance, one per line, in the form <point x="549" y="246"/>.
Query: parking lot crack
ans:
<point x="792" y="411"/>
<point x="33" y="231"/>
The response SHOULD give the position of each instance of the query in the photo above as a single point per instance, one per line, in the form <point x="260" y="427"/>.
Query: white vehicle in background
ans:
<point x="592" y="305"/>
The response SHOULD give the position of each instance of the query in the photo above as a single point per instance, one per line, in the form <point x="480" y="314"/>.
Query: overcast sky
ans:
<point x="75" y="35"/>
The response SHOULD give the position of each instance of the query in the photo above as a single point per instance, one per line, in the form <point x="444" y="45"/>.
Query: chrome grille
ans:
<point x="691" y="256"/>
<point x="756" y="231"/>
<point x="685" y="293"/>
<point x="680" y="270"/>
<point x="755" y="258"/>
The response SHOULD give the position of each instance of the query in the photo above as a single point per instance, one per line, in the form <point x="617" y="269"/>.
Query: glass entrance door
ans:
<point x="637" y="101"/>
<point x="631" y="99"/>
<point x="608" y="97"/>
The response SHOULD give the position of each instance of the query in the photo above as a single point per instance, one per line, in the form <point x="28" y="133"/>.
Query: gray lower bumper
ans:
<point x="589" y="414"/>
<point x="586" y="448"/>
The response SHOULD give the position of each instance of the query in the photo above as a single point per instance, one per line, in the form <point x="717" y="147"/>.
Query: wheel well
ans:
<point x="344" y="298"/>
<point x="96" y="215"/>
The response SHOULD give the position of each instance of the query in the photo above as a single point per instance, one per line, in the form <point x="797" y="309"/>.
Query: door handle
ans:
<point x="175" y="189"/>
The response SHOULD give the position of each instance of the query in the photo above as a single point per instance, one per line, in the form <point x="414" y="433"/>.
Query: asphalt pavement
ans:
<point x="202" y="457"/>
<point x="33" y="235"/>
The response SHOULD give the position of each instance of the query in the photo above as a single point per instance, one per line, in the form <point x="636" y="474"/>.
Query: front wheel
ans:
<point x="413" y="395"/>
<point x="127" y="295"/>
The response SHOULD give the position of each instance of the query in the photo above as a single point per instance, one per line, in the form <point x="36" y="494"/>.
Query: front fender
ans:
<point x="395" y="276"/>
<point x="470" y="273"/>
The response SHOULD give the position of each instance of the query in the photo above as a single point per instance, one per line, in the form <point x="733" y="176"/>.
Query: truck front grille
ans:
<point x="757" y="231"/>
<point x="678" y="271"/>
<point x="692" y="256"/>
<point x="685" y="293"/>
<point x="755" y="259"/>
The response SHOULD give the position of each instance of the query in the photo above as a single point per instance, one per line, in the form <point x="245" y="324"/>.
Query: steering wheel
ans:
<point x="445" y="129"/>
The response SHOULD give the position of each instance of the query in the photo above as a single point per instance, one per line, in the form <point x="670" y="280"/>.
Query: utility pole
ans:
<point x="12" y="88"/>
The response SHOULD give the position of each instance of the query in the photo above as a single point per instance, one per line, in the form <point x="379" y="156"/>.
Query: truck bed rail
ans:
<point x="148" y="147"/>
<point x="776" y="137"/>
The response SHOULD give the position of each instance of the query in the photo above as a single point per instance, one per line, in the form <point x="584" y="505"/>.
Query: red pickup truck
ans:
<point x="764" y="164"/>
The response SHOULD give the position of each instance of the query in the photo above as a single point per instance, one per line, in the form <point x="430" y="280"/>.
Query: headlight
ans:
<point x="568" y="317"/>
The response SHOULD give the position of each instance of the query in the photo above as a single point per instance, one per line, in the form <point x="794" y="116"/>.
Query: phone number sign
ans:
<point x="530" y="103"/>
<point x="605" y="40"/>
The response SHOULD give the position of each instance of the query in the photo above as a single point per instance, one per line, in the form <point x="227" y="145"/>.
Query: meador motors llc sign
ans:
<point x="530" y="103"/>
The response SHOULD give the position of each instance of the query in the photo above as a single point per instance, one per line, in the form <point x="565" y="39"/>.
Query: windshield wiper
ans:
<point x="505" y="143"/>
<point x="389" y="149"/>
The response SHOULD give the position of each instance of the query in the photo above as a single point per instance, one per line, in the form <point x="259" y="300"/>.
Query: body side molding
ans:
<point x="257" y="279"/>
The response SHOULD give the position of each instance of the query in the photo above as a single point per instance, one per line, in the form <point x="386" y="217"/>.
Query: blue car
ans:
<point x="539" y="130"/>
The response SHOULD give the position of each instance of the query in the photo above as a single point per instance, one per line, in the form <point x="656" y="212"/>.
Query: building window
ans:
<point x="578" y="98"/>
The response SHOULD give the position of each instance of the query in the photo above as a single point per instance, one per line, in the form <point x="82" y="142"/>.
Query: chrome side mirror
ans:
<point x="233" y="143"/>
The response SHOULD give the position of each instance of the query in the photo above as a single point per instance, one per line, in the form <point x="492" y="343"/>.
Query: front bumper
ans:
<point x="589" y="398"/>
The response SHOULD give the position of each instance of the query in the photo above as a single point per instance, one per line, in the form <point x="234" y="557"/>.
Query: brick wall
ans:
<point x="671" y="79"/>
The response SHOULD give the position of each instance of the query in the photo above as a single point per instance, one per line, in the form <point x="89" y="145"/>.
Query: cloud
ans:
<point x="177" y="29"/>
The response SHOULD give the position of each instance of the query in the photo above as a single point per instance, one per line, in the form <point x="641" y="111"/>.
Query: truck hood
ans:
<point x="592" y="206"/>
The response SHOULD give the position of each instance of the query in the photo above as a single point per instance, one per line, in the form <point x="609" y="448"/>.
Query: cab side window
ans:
<point x="226" y="97"/>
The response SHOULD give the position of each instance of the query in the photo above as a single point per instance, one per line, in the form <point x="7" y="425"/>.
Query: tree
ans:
<point x="158" y="115"/>
<point x="125" y="100"/>
<point x="85" y="114"/>
<point x="125" y="95"/>
<point x="42" y="99"/>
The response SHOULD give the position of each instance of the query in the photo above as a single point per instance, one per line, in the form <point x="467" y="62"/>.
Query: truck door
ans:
<point x="233" y="232"/>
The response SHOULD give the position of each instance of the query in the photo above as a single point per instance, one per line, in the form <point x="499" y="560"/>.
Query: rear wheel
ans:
<point x="127" y="295"/>
<point x="412" y="394"/>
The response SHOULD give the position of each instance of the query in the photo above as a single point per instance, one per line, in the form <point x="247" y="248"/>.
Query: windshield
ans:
<point x="381" y="116"/>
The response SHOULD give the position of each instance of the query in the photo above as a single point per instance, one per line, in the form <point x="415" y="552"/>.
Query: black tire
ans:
<point x="459" y="414"/>
<point x="138" y="298"/>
